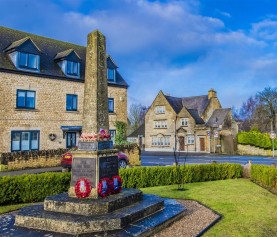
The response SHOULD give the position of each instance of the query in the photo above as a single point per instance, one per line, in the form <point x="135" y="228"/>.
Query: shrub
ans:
<point x="35" y="187"/>
<point x="265" y="176"/>
<point x="32" y="187"/>
<point x="255" y="138"/>
<point x="143" y="177"/>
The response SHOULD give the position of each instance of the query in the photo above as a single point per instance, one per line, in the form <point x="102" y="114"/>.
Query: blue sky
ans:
<point x="181" y="47"/>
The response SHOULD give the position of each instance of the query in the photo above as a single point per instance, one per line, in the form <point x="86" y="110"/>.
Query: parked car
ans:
<point x="66" y="160"/>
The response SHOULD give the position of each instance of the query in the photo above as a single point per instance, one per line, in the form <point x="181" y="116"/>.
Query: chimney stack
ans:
<point x="211" y="93"/>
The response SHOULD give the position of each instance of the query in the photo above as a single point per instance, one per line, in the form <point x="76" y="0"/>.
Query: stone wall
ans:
<point x="34" y="163"/>
<point x="253" y="151"/>
<point x="133" y="153"/>
<point x="50" y="108"/>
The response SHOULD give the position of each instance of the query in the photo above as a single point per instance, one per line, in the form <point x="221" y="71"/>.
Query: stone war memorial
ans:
<point x="95" y="204"/>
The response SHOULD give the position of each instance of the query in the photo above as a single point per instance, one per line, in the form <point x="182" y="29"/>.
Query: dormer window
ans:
<point x="111" y="74"/>
<point x="28" y="61"/>
<point x="72" y="68"/>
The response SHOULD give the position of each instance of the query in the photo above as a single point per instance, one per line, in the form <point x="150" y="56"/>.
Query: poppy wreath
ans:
<point x="82" y="188"/>
<point x="116" y="184"/>
<point x="104" y="187"/>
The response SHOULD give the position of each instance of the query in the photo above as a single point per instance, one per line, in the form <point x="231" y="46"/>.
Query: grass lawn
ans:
<point x="247" y="209"/>
<point x="9" y="208"/>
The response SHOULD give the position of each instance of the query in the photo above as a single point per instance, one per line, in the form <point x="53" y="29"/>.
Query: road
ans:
<point x="165" y="159"/>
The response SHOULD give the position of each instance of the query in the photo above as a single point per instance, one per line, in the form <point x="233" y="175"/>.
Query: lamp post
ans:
<point x="272" y="136"/>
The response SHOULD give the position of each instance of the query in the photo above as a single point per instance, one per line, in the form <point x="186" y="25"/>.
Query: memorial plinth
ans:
<point x="93" y="164"/>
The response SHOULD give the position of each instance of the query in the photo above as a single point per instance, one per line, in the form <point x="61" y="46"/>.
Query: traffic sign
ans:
<point x="208" y="133"/>
<point x="215" y="134"/>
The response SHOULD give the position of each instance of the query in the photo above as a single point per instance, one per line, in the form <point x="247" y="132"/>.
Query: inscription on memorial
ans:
<point x="108" y="167"/>
<point x="93" y="146"/>
<point x="84" y="168"/>
<point x="87" y="146"/>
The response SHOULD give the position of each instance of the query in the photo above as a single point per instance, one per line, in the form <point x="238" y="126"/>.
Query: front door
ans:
<point x="202" y="144"/>
<point x="181" y="143"/>
<point x="70" y="139"/>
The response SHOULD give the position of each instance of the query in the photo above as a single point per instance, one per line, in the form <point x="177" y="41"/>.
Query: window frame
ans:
<point x="72" y="102"/>
<point x="160" y="109"/>
<point x="71" y="73"/>
<point x="25" y="99"/>
<point x="186" y="122"/>
<point x="189" y="140"/>
<point x="24" y="66"/>
<point x="31" y="132"/>
<point x="110" y="99"/>
<point x="112" y="131"/>
<point x="108" y="74"/>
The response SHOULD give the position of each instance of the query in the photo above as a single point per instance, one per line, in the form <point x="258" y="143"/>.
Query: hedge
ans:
<point x="35" y="187"/>
<point x="32" y="187"/>
<point x="255" y="138"/>
<point x="265" y="176"/>
<point x="142" y="177"/>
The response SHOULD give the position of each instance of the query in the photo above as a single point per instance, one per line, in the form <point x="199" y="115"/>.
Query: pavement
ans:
<point x="31" y="171"/>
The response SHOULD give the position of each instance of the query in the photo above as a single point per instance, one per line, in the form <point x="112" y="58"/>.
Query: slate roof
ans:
<point x="194" y="104"/>
<point x="218" y="117"/>
<point x="49" y="48"/>
<point x="139" y="131"/>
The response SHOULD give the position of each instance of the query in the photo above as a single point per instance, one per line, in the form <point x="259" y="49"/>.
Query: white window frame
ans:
<point x="184" y="122"/>
<point x="160" y="109"/>
<point x="190" y="139"/>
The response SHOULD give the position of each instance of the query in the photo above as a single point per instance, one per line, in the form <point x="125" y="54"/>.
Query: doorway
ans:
<point x="202" y="144"/>
<point x="70" y="139"/>
<point x="181" y="143"/>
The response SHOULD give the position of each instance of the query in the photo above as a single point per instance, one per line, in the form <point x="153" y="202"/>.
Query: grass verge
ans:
<point x="9" y="208"/>
<point x="247" y="209"/>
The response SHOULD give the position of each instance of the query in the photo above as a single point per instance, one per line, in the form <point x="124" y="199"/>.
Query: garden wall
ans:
<point x="253" y="151"/>
<point x="32" y="159"/>
<point x="132" y="151"/>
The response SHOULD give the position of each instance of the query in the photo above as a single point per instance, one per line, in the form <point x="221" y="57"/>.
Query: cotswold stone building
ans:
<point x="194" y="124"/>
<point x="42" y="90"/>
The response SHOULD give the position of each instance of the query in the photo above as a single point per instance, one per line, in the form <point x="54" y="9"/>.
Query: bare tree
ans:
<point x="245" y="115"/>
<point x="268" y="100"/>
<point x="136" y="115"/>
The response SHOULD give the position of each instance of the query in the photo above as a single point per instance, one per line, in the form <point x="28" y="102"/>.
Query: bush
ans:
<point x="255" y="138"/>
<point x="32" y="187"/>
<point x="265" y="176"/>
<point x="35" y="187"/>
<point x="143" y="177"/>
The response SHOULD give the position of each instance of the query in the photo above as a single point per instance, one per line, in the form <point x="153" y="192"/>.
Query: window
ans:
<point x="160" y="109"/>
<point x="160" y="124"/>
<point x="111" y="105"/>
<point x="73" y="68"/>
<point x="111" y="74"/>
<point x="25" y="99"/>
<point x="112" y="133"/>
<point x="29" y="61"/>
<point x="190" y="139"/>
<point x="184" y="121"/>
<point x="24" y="140"/>
<point x="161" y="141"/>
<point x="71" y="102"/>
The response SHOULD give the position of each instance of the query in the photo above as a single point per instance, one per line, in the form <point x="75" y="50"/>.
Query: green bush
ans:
<point x="32" y="187"/>
<point x="142" y="177"/>
<point x="35" y="187"/>
<point x="264" y="175"/>
<point x="255" y="138"/>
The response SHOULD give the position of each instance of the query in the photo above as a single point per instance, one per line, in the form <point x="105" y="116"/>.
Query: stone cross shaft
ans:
<point x="95" y="115"/>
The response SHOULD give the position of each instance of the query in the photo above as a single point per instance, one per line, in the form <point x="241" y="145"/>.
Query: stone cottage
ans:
<point x="42" y="90"/>
<point x="193" y="124"/>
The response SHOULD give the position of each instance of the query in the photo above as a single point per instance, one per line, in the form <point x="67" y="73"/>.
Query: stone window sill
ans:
<point x="26" y="110"/>
<point x="73" y="111"/>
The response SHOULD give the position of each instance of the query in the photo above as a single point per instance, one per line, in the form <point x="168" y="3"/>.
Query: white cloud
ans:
<point x="265" y="30"/>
